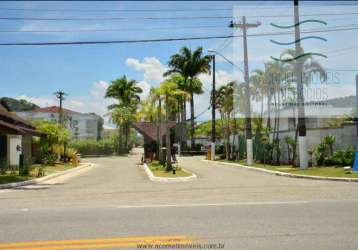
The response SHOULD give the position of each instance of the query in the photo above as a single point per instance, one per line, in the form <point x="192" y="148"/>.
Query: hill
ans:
<point x="15" y="105"/>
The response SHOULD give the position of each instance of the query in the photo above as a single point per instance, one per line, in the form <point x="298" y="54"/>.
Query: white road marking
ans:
<point x="213" y="204"/>
<point x="25" y="209"/>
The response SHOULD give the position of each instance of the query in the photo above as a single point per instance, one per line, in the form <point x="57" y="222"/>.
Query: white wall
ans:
<point x="79" y="122"/>
<point x="13" y="141"/>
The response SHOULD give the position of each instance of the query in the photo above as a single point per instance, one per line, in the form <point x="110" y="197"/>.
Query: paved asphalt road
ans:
<point x="114" y="205"/>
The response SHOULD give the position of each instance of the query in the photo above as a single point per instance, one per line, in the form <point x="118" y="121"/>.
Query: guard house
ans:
<point x="149" y="130"/>
<point x="15" y="137"/>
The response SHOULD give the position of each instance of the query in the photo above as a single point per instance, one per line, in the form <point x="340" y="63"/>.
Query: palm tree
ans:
<point x="126" y="92"/>
<point x="169" y="89"/>
<point x="190" y="64"/>
<point x="225" y="102"/>
<point x="307" y="66"/>
<point x="258" y="87"/>
<point x="329" y="141"/>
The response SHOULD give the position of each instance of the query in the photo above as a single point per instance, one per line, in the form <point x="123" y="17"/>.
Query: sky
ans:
<point x="84" y="72"/>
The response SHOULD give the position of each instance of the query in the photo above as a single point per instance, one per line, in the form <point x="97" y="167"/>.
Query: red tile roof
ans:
<point x="54" y="109"/>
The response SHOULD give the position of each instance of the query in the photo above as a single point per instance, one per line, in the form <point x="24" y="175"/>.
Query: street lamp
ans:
<point x="225" y="58"/>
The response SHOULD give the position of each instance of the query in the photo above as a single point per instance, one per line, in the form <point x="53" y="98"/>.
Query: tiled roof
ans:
<point x="149" y="129"/>
<point x="11" y="123"/>
<point x="54" y="109"/>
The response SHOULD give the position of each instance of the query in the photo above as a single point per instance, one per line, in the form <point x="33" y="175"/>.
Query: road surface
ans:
<point x="115" y="205"/>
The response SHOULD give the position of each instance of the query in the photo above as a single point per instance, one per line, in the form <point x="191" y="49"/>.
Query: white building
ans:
<point x="81" y="126"/>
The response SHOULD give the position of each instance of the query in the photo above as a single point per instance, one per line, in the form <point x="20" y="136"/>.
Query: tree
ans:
<point x="122" y="116"/>
<point x="329" y="141"/>
<point x="225" y="103"/>
<point x="56" y="136"/>
<point x="126" y="92"/>
<point x="170" y="90"/>
<point x="190" y="64"/>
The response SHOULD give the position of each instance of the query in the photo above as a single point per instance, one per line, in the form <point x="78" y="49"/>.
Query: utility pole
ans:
<point x="61" y="96"/>
<point x="159" y="130"/>
<point x="355" y="164"/>
<point x="213" y="102"/>
<point x="302" y="148"/>
<point x="243" y="25"/>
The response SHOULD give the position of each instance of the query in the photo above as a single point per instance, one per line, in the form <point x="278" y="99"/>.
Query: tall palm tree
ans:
<point x="126" y="92"/>
<point x="190" y="64"/>
<point x="225" y="102"/>
<point x="170" y="90"/>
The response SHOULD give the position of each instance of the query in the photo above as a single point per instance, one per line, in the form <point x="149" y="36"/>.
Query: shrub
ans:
<point x="71" y="154"/>
<point x="319" y="153"/>
<point x="93" y="147"/>
<point x="49" y="159"/>
<point x="219" y="149"/>
<point x="197" y="147"/>
<point x="341" y="158"/>
<point x="4" y="165"/>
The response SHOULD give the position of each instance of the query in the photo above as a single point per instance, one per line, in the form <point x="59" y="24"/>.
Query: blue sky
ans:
<point x="83" y="71"/>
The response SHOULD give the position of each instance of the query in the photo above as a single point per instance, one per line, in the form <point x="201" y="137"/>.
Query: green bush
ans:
<point x="197" y="147"/>
<point x="341" y="158"/>
<point x="49" y="159"/>
<point x="93" y="147"/>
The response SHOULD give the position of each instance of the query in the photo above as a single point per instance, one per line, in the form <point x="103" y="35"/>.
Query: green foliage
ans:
<point x="341" y="158"/>
<point x="55" y="134"/>
<point x="124" y="112"/>
<point x="319" y="153"/>
<point x="49" y="159"/>
<point x="15" y="105"/>
<point x="93" y="147"/>
<point x="51" y="145"/>
<point x="4" y="165"/>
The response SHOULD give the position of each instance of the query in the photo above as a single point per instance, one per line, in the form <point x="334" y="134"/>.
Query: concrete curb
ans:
<point x="42" y="179"/>
<point x="278" y="173"/>
<point x="152" y="177"/>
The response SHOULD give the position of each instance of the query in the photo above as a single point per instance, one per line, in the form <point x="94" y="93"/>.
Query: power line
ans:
<point x="162" y="18"/>
<point x="109" y="18"/>
<point x="115" y="10"/>
<point x="173" y="10"/>
<point x="170" y="39"/>
<point x="110" y="30"/>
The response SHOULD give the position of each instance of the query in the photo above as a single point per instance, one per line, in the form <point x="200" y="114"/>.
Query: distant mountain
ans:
<point x="15" y="105"/>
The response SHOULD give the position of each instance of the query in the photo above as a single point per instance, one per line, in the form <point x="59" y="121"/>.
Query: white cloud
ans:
<point x="77" y="103"/>
<point x="99" y="89"/>
<point x="40" y="101"/>
<point x="152" y="69"/>
<point x="145" y="86"/>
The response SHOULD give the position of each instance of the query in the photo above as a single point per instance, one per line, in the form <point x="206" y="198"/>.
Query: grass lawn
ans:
<point x="333" y="171"/>
<point x="15" y="177"/>
<point x="159" y="171"/>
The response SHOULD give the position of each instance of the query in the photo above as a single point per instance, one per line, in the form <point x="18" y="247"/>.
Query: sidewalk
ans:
<point x="41" y="180"/>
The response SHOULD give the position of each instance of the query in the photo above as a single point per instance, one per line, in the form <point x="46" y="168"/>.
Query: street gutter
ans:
<point x="42" y="179"/>
<point x="152" y="177"/>
<point x="278" y="173"/>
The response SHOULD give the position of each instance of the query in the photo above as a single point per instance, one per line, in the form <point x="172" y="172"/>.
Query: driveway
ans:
<point x="230" y="205"/>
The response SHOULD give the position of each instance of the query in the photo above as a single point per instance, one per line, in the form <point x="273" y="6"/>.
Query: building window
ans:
<point x="91" y="127"/>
